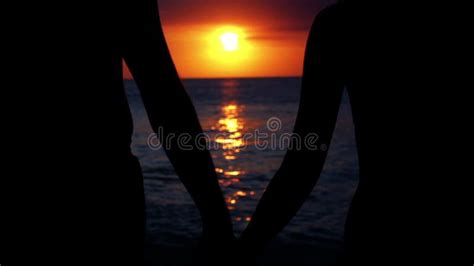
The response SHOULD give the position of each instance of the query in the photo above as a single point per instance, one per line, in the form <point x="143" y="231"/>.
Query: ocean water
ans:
<point x="228" y="109"/>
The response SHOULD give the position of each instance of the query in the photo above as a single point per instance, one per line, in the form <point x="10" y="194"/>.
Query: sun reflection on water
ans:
<point x="231" y="127"/>
<point x="230" y="138"/>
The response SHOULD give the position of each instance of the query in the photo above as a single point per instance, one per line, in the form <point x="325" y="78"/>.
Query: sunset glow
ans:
<point x="239" y="38"/>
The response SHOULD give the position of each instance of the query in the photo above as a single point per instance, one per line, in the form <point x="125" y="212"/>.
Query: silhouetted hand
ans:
<point x="214" y="248"/>
<point x="246" y="253"/>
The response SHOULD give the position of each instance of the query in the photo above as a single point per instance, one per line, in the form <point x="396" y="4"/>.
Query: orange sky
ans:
<point x="272" y="36"/>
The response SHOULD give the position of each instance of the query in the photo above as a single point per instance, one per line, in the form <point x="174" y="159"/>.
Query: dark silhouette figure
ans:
<point x="343" y="51"/>
<point x="102" y="180"/>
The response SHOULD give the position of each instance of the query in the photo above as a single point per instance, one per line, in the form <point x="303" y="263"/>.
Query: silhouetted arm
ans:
<point x="169" y="108"/>
<point x="322" y="89"/>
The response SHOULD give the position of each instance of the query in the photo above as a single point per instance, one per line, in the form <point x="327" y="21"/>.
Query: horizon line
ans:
<point x="256" y="77"/>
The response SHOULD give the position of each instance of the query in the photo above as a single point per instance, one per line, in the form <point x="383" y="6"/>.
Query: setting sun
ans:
<point x="230" y="41"/>
<point x="234" y="50"/>
<point x="229" y="49"/>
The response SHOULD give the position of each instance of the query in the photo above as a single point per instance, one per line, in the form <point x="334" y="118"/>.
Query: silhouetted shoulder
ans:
<point x="325" y="43"/>
<point x="328" y="29"/>
<point x="330" y="16"/>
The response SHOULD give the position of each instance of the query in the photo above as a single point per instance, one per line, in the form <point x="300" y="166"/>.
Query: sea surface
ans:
<point x="228" y="109"/>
